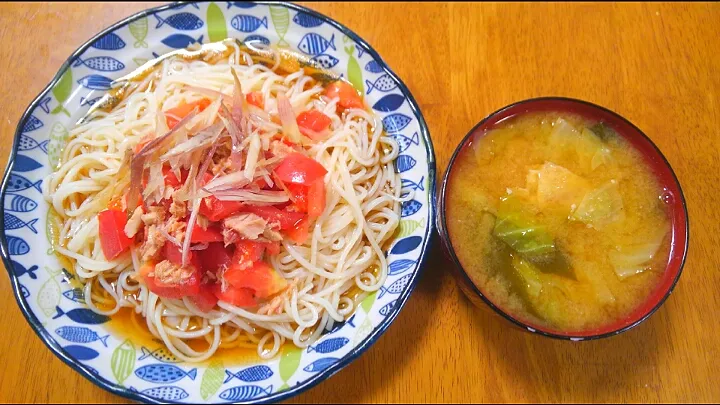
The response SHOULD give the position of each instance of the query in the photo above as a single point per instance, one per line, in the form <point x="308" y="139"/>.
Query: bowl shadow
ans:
<point x="551" y="370"/>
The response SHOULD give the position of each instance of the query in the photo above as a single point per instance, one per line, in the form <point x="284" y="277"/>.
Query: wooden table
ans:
<point x="656" y="64"/>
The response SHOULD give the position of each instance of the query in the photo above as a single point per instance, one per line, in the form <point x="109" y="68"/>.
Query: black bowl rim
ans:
<point x="445" y="237"/>
<point x="378" y="331"/>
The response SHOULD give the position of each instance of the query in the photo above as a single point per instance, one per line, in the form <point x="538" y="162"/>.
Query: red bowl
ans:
<point x="659" y="165"/>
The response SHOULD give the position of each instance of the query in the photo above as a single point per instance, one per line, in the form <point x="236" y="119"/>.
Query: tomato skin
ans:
<point x="211" y="234"/>
<point x="286" y="219"/>
<point x="255" y="98"/>
<point x="297" y="168"/>
<point x="298" y="195"/>
<point x="349" y="97"/>
<point x="313" y="123"/>
<point x="316" y="198"/>
<point x="205" y="300"/>
<point x="215" y="210"/>
<point x="111" y="223"/>
<point x="300" y="232"/>
<point x="174" y="115"/>
<point x="239" y="297"/>
<point x="215" y="257"/>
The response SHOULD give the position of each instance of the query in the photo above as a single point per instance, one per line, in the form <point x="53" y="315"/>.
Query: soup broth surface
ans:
<point x="558" y="221"/>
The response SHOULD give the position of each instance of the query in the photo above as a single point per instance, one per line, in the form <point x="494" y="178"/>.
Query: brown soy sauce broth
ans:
<point x="552" y="224"/>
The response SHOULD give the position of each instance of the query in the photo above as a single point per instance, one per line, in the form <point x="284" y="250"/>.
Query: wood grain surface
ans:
<point x="656" y="64"/>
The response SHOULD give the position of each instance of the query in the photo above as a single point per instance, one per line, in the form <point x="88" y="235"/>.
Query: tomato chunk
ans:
<point x="215" y="257"/>
<point x="205" y="300"/>
<point x="174" y="115"/>
<point x="300" y="232"/>
<point x="298" y="195"/>
<point x="313" y="123"/>
<point x="299" y="169"/>
<point x="349" y="97"/>
<point x="255" y="98"/>
<point x="316" y="198"/>
<point x="286" y="219"/>
<point x="260" y="278"/>
<point x="240" y="297"/>
<point x="190" y="287"/>
<point x="216" y="210"/>
<point x="173" y="253"/>
<point x="211" y="234"/>
<point x="247" y="251"/>
<point x="112" y="233"/>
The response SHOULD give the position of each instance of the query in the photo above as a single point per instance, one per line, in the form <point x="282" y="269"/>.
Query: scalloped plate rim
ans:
<point x="303" y="386"/>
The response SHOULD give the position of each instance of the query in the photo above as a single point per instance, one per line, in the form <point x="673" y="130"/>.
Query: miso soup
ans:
<point x="558" y="221"/>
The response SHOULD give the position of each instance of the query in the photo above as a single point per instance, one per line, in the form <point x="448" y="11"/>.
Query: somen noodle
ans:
<point x="225" y="140"/>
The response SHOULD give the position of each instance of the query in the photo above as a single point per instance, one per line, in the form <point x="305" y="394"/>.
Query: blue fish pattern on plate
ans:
<point x="24" y="291"/>
<point x="383" y="83"/>
<point x="32" y="124"/>
<point x="82" y="315"/>
<point x="326" y="61"/>
<point x="44" y="104"/>
<point x="89" y="101"/>
<point x="164" y="373"/>
<point x="315" y="44"/>
<point x="306" y="20"/>
<point x="245" y="392"/>
<point x="409" y="184"/>
<point x="18" y="203"/>
<point x="329" y="346"/>
<point x="95" y="82"/>
<point x="373" y="67"/>
<point x="396" y="122"/>
<point x="250" y="374"/>
<point x="257" y="38"/>
<point x="20" y="183"/>
<point x="396" y="287"/>
<point x="181" y="41"/>
<point x="391" y="102"/>
<point x="338" y="325"/>
<point x="180" y="21"/>
<point x="159" y="354"/>
<point x="320" y="365"/>
<point x="166" y="393"/>
<point x="404" y="163"/>
<point x="28" y="143"/>
<point x="240" y="4"/>
<point x="81" y="352"/>
<point x="404" y="142"/>
<point x="78" y="334"/>
<point x="400" y="266"/>
<point x="387" y="308"/>
<point x="17" y="246"/>
<point x="109" y="42"/>
<point x="406" y="245"/>
<point x="20" y="270"/>
<point x="75" y="295"/>
<point x="410" y="208"/>
<point x="100" y="63"/>
<point x="13" y="222"/>
<point x="25" y="164"/>
<point x="248" y="23"/>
